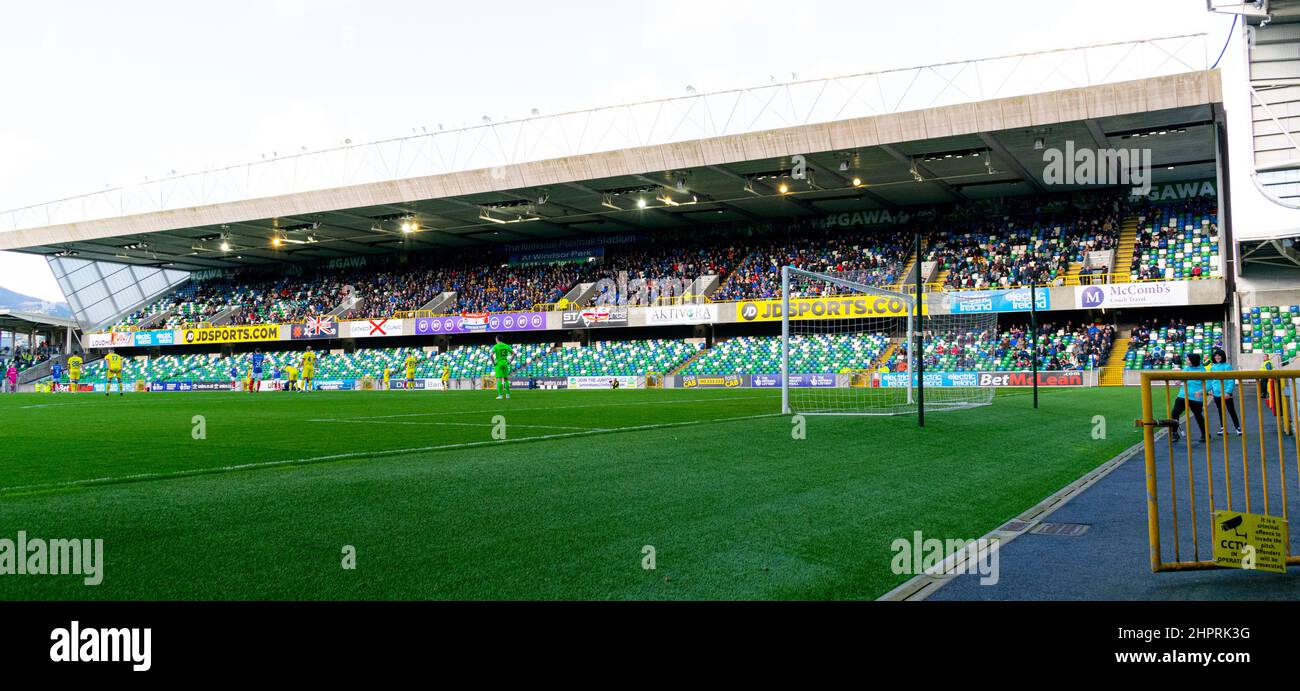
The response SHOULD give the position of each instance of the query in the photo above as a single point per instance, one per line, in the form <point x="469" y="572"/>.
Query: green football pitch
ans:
<point x="239" y="496"/>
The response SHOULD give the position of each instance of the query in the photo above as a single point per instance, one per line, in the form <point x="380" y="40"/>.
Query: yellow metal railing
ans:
<point x="1238" y="480"/>
<point x="1125" y="277"/>
<point x="413" y="314"/>
<point x="1093" y="279"/>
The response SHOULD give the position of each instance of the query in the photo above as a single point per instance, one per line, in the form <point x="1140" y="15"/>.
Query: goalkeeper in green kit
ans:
<point x="501" y="354"/>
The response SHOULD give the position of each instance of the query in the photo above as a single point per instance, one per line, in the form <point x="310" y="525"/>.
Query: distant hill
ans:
<point x="26" y="303"/>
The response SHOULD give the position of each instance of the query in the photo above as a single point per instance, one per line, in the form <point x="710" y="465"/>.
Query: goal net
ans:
<point x="847" y="349"/>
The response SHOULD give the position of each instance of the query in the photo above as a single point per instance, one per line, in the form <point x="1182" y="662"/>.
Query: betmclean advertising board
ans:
<point x="1139" y="294"/>
<point x="838" y="307"/>
<point x="982" y="379"/>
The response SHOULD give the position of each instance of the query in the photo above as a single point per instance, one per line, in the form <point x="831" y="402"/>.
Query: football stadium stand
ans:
<point x="468" y="361"/>
<point x="1151" y="346"/>
<point x="612" y="359"/>
<point x="812" y="354"/>
<point x="1060" y="348"/>
<point x="1161" y="346"/>
<point x="875" y="258"/>
<point x="679" y="255"/>
<point x="192" y="303"/>
<point x="1177" y="242"/>
<point x="1271" y="330"/>
<point x="1038" y="248"/>
<point x="24" y="357"/>
<point x="1044" y="243"/>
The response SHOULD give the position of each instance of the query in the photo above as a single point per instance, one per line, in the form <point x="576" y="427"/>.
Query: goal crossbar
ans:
<point x="836" y="280"/>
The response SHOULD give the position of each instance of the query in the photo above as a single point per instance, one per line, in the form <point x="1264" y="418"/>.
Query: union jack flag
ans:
<point x="319" y="326"/>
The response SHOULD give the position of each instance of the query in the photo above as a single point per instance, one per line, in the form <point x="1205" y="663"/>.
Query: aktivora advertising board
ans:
<point x="681" y="314"/>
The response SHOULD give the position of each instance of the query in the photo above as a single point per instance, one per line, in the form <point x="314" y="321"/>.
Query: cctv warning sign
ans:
<point x="1250" y="541"/>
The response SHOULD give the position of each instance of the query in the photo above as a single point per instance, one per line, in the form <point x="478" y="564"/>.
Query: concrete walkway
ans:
<point x="1110" y="560"/>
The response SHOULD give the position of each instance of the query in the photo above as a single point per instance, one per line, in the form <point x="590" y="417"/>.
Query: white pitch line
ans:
<point x="460" y="424"/>
<point x="361" y="454"/>
<point x="545" y="407"/>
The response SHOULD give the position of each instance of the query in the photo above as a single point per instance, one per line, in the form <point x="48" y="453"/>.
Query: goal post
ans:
<point x="847" y="349"/>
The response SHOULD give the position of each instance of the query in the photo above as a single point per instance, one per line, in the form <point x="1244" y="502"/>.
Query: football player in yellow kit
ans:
<point x="74" y="373"/>
<point x="308" y="369"/>
<point x="114" y="363"/>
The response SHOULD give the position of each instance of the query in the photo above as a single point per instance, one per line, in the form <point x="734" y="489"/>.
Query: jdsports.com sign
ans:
<point x="233" y="334"/>
<point x="844" y="307"/>
<point x="1141" y="294"/>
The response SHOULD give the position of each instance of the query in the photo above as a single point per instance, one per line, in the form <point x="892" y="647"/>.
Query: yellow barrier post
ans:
<point x="1279" y="385"/>
<point x="1149" y="447"/>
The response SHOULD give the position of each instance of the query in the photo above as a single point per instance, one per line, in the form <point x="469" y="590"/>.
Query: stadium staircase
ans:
<point x="940" y="276"/>
<point x="223" y="317"/>
<point x="885" y="356"/>
<point x="347" y="307"/>
<point x="440" y="304"/>
<point x="44" y="370"/>
<point x="705" y="286"/>
<point x="580" y="294"/>
<point x="1072" y="274"/>
<point x="1123" y="262"/>
<point x="694" y="356"/>
<point x="1112" y="373"/>
<point x="39" y="371"/>
<point x="157" y="319"/>
<point x="906" y="278"/>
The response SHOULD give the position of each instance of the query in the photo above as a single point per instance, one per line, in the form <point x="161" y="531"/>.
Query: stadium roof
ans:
<point x="936" y="155"/>
<point x="23" y="322"/>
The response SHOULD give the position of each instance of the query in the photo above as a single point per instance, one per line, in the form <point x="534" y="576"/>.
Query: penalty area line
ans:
<point x="368" y="421"/>
<point x="359" y="418"/>
<point x="178" y="474"/>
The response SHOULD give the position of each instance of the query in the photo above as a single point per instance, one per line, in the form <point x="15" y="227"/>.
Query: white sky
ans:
<point x="99" y="94"/>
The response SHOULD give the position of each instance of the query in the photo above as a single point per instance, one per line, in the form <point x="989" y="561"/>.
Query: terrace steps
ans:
<point x="940" y="277"/>
<point x="683" y="364"/>
<point x="1112" y="373"/>
<point x="885" y="356"/>
<point x="1072" y="274"/>
<point x="1124" y="250"/>
<point x="904" y="279"/>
